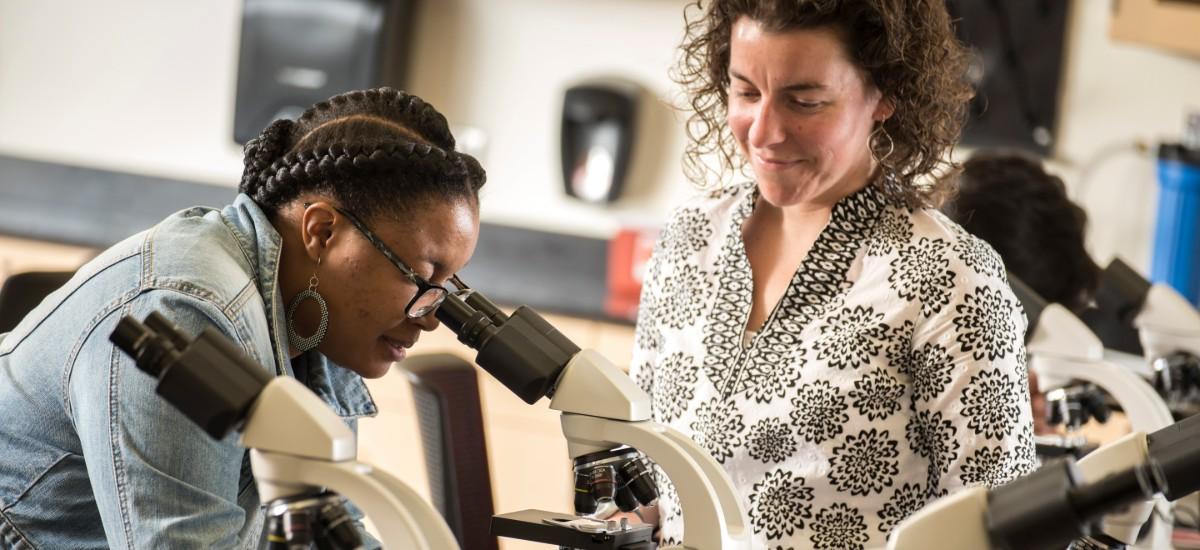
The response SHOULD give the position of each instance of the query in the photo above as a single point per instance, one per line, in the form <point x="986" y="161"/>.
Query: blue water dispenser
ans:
<point x="1176" y="258"/>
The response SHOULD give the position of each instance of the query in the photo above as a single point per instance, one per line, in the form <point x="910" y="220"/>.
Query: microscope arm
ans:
<point x="404" y="519"/>
<point x="299" y="447"/>
<point x="1146" y="412"/>
<point x="1143" y="406"/>
<point x="1063" y="349"/>
<point x="286" y="465"/>
<point x="1167" y="323"/>
<point x="602" y="409"/>
<point x="711" y="511"/>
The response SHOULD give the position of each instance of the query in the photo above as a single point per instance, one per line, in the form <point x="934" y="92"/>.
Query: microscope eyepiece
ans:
<point x="209" y="378"/>
<point x="151" y="351"/>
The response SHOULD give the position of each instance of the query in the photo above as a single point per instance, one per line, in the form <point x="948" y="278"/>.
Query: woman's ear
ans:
<point x="884" y="108"/>
<point x="316" y="228"/>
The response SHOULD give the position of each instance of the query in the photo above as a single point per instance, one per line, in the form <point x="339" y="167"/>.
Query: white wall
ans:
<point x="1117" y="93"/>
<point x="147" y="86"/>
<point x="143" y="86"/>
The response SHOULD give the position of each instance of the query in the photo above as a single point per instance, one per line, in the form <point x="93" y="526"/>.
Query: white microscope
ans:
<point x="1062" y="350"/>
<point x="1155" y="322"/>
<point x="1057" y="504"/>
<point x="302" y="454"/>
<point x="602" y="410"/>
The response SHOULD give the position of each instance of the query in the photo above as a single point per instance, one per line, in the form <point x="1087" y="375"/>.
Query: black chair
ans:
<point x="446" y="393"/>
<point x="24" y="291"/>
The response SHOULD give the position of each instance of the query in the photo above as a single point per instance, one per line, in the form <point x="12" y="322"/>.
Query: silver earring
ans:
<point x="880" y="133"/>
<point x="300" y="343"/>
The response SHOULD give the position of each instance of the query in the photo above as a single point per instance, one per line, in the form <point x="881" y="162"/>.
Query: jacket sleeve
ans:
<point x="158" y="479"/>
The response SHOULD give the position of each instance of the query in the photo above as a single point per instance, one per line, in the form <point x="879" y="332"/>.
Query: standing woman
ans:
<point x="326" y="267"/>
<point x="846" y="352"/>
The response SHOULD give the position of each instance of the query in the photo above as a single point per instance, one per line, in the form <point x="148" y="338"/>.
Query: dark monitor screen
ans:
<point x="295" y="53"/>
<point x="1016" y="68"/>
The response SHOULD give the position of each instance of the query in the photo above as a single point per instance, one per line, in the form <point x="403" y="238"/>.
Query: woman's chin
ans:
<point x="368" y="367"/>
<point x="780" y="192"/>
<point x="376" y="369"/>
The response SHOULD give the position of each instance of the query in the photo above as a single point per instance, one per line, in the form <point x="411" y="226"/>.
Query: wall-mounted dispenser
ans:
<point x="599" y="123"/>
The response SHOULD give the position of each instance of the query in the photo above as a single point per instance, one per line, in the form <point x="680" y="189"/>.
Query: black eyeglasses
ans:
<point x="428" y="297"/>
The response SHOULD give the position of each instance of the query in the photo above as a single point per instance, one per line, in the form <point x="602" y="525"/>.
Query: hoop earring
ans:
<point x="876" y="135"/>
<point x="301" y="343"/>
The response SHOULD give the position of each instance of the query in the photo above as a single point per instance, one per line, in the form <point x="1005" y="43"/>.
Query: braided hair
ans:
<point x="372" y="150"/>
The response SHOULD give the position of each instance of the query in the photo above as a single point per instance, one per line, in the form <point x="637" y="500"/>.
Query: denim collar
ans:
<point x="343" y="389"/>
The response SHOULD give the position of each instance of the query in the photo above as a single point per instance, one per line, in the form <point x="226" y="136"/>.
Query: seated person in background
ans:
<point x="1011" y="202"/>
<point x="326" y="267"/>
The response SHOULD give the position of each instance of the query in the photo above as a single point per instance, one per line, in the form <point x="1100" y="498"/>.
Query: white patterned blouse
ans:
<point x="891" y="372"/>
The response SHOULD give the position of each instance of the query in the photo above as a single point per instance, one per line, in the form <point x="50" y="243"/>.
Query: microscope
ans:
<point x="605" y="417"/>
<point x="1063" y="351"/>
<point x="1157" y="330"/>
<point x="1058" y="504"/>
<point x="302" y="454"/>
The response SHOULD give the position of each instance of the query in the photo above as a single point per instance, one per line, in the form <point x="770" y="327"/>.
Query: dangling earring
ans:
<point x="887" y="174"/>
<point x="880" y="133"/>
<point x="299" y="343"/>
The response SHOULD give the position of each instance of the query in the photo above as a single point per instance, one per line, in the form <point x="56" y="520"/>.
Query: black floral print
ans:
<point x="678" y="382"/>
<point x="780" y="504"/>
<point x="977" y="254"/>
<point x="771" y="440"/>
<point x="899" y="348"/>
<point x="839" y="527"/>
<point x="718" y="428"/>
<point x="685" y="292"/>
<point x="922" y="273"/>
<point x="929" y="367"/>
<point x="934" y="438"/>
<point x="876" y="395"/>
<point x="987" y="466"/>
<point x="647" y="335"/>
<point x="819" y="412"/>
<point x="985" y="325"/>
<point x="864" y="463"/>
<point x="851" y="338"/>
<point x="687" y="233"/>
<point x="887" y="375"/>
<point x="907" y="499"/>
<point x="990" y="404"/>
<point x="644" y="378"/>
<point x="893" y="231"/>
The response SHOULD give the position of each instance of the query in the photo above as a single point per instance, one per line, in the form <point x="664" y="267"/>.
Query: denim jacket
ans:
<point x="90" y="455"/>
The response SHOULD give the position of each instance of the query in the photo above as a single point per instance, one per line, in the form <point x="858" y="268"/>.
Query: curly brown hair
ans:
<point x="906" y="47"/>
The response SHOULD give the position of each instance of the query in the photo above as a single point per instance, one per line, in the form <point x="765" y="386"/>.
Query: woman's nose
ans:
<point x="767" y="127"/>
